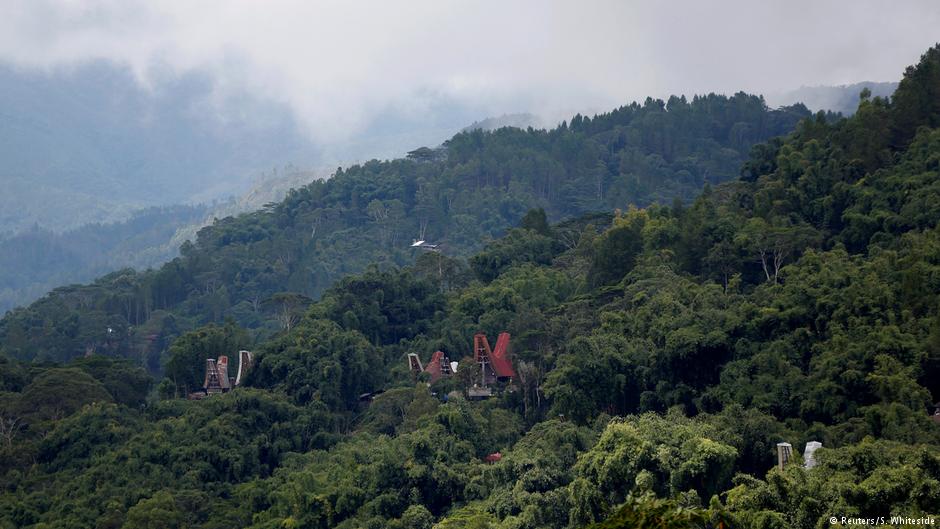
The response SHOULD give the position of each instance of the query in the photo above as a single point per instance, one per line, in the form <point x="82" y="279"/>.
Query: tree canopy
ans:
<point x="661" y="352"/>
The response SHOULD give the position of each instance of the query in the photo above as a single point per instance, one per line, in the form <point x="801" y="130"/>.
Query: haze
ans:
<point x="341" y="67"/>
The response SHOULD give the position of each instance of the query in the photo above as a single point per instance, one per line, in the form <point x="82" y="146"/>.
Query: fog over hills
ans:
<point x="92" y="143"/>
<point x="469" y="264"/>
<point x="132" y="166"/>
<point x="103" y="172"/>
<point x="842" y="98"/>
<point x="36" y="260"/>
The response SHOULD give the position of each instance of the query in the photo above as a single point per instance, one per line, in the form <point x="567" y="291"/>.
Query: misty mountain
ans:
<point x="842" y="99"/>
<point x="102" y="172"/>
<point x="36" y="260"/>
<point x="93" y="144"/>
<point x="482" y="184"/>
<point x="521" y="120"/>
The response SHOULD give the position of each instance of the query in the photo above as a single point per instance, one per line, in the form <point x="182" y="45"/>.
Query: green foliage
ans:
<point x="386" y="306"/>
<point x="186" y="366"/>
<point x="667" y="455"/>
<point x="59" y="392"/>
<point x="595" y="373"/>
<point x="318" y="361"/>
<point x="127" y="384"/>
<point x="653" y="513"/>
<point x="916" y="102"/>
<point x="417" y="517"/>
<point x="660" y="354"/>
<point x="868" y="480"/>
<point x="467" y="518"/>
<point x="34" y="261"/>
<point x="471" y="191"/>
<point x="617" y="249"/>
<point x="518" y="246"/>
<point x="536" y="221"/>
<point x="160" y="511"/>
<point x="178" y="459"/>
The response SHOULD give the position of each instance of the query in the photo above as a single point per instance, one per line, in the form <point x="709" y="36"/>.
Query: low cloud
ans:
<point x="340" y="65"/>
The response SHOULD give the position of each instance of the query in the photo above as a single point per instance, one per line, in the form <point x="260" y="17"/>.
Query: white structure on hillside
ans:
<point x="809" y="454"/>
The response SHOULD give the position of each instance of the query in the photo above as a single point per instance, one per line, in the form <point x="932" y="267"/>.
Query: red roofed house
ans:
<point x="438" y="367"/>
<point x="495" y="363"/>
<point x="217" y="380"/>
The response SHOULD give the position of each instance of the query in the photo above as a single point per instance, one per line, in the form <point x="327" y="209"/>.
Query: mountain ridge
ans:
<point x="662" y="354"/>
<point x="367" y="213"/>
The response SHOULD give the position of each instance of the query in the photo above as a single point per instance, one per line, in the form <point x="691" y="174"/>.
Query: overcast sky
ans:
<point x="340" y="64"/>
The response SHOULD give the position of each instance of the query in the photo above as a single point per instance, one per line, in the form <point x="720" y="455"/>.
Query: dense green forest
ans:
<point x="35" y="261"/>
<point x="471" y="190"/>
<point x="661" y="351"/>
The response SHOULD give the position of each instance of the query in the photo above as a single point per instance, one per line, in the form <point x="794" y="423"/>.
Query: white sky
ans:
<point x="338" y="64"/>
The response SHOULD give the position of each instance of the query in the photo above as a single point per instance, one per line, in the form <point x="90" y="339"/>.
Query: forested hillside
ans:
<point x="661" y="354"/>
<point x="470" y="190"/>
<point x="35" y="261"/>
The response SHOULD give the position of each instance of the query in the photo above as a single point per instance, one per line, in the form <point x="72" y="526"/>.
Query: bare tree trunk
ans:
<point x="763" y="262"/>
<point x="779" y="257"/>
<point x="9" y="427"/>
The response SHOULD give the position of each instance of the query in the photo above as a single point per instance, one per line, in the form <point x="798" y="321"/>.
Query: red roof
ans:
<point x="434" y="366"/>
<point x="499" y="357"/>
<point x="493" y="458"/>
<point x="501" y="363"/>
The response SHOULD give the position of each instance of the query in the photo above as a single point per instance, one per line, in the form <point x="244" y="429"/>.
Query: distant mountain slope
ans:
<point x="479" y="184"/>
<point x="269" y="188"/>
<point x="661" y="354"/>
<point x="36" y="260"/>
<point x="520" y="121"/>
<point x="842" y="99"/>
